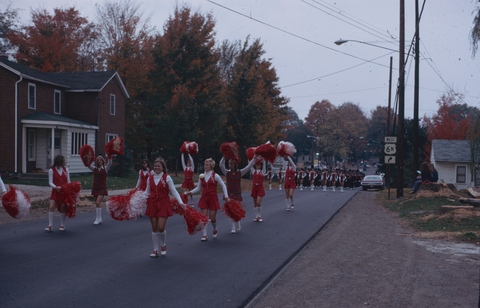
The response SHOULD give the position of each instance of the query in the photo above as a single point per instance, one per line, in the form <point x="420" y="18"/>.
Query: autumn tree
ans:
<point x="62" y="42"/>
<point x="185" y="104"/>
<point x="317" y="116"/>
<point x="8" y="23"/>
<point x="126" y="42"/>
<point x="451" y="120"/>
<point x="254" y="102"/>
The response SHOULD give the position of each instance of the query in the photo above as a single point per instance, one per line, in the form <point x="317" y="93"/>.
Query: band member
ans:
<point x="301" y="175"/>
<point x="270" y="176"/>
<point x="325" y="179"/>
<point x="281" y="178"/>
<point x="312" y="174"/>
<point x="341" y="179"/>
<point x="333" y="179"/>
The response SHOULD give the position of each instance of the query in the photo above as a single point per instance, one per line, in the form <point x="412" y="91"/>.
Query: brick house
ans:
<point x="45" y="114"/>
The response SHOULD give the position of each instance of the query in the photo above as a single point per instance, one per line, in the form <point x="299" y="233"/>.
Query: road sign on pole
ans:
<point x="390" y="139"/>
<point x="390" y="160"/>
<point x="390" y="148"/>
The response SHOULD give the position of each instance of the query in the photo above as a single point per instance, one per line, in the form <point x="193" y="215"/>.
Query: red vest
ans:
<point x="159" y="192"/>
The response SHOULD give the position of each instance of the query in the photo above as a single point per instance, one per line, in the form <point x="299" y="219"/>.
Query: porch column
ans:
<point x="52" y="150"/>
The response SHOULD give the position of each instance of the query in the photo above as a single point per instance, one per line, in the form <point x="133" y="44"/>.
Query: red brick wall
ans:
<point x="7" y="114"/>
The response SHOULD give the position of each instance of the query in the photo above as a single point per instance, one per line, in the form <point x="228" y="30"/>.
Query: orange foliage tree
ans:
<point x="62" y="42"/>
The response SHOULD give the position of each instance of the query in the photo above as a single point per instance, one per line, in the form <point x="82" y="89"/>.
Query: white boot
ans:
<point x="301" y="187"/>
<point x="324" y="188"/>
<point x="234" y="227"/>
<point x="98" y="220"/>
<point x="311" y="188"/>
<point x="333" y="188"/>
<point x="341" y="188"/>
<point x="270" y="187"/>
<point x="287" y="201"/>
<point x="238" y="226"/>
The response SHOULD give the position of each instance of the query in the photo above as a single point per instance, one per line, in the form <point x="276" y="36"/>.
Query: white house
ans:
<point x="452" y="159"/>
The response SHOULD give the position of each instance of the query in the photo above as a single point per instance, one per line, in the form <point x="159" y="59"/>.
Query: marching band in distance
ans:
<point x="152" y="194"/>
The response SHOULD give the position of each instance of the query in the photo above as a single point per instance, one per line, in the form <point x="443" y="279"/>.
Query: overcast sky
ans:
<point x="298" y="36"/>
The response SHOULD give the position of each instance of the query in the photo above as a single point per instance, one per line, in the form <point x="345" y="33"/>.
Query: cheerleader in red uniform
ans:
<point x="234" y="180"/>
<point x="159" y="207"/>
<point x="208" y="203"/>
<point x="143" y="175"/>
<point x="188" y="170"/>
<point x="301" y="175"/>
<point x="57" y="175"/>
<point x="290" y="183"/>
<point x="258" y="191"/>
<point x="99" y="187"/>
<point x="312" y="175"/>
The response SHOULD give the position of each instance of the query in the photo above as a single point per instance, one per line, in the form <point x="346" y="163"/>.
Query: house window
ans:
<point x="112" y="104"/>
<point x="31" y="145"/>
<point x="78" y="140"/>
<point x="109" y="137"/>
<point x="461" y="174"/>
<point x="32" y="96"/>
<point x="57" y="102"/>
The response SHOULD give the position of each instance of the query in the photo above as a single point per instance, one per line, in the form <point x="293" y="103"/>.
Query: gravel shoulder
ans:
<point x="366" y="256"/>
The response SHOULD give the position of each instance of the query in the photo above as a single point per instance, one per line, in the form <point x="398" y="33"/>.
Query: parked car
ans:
<point x="372" y="181"/>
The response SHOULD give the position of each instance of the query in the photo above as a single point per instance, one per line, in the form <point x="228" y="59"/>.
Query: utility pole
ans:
<point x="416" y="89"/>
<point x="388" y="167"/>
<point x="401" y="105"/>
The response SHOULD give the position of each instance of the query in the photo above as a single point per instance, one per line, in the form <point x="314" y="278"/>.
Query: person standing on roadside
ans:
<point x="57" y="175"/>
<point x="208" y="203"/>
<point x="233" y="177"/>
<point x="99" y="187"/>
<point x="159" y="207"/>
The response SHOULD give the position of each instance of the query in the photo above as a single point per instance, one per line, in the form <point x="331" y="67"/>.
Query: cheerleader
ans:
<point x="234" y="180"/>
<point x="341" y="179"/>
<point x="143" y="175"/>
<point x="258" y="191"/>
<point x="289" y="183"/>
<point x="99" y="187"/>
<point x="57" y="175"/>
<point x="188" y="170"/>
<point x="324" y="179"/>
<point x="208" y="203"/>
<point x="281" y="178"/>
<point x="159" y="207"/>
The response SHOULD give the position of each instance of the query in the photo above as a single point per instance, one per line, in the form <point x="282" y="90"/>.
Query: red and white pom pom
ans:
<point x="137" y="202"/>
<point x="114" y="147"/>
<point x="68" y="197"/>
<point x="126" y="207"/>
<point x="195" y="220"/>
<point x="234" y="210"/>
<point x="16" y="202"/>
<point x="177" y="208"/>
<point x="87" y="155"/>
<point x="231" y="151"/>
<point x="250" y="153"/>
<point x="192" y="148"/>
<point x="285" y="148"/>
<point x="267" y="151"/>
<point x="183" y="148"/>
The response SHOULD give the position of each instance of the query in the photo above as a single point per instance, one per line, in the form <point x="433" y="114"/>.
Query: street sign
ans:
<point x="390" y="139"/>
<point x="390" y="159"/>
<point x="390" y="148"/>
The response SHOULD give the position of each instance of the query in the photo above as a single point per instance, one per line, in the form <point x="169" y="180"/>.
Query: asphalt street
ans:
<point x="109" y="265"/>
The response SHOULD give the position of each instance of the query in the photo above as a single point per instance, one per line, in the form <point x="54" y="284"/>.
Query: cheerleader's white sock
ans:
<point x="155" y="240"/>
<point x="287" y="201"/>
<point x="204" y="229"/>
<point x="214" y="225"/>
<point x="50" y="218"/>
<point x="63" y="219"/>
<point x="255" y="210"/>
<point x="259" y="211"/>
<point x="163" y="237"/>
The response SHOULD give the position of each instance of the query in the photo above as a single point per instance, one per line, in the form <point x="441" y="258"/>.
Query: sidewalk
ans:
<point x="365" y="257"/>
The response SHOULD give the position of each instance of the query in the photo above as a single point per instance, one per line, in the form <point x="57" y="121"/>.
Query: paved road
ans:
<point x="109" y="265"/>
